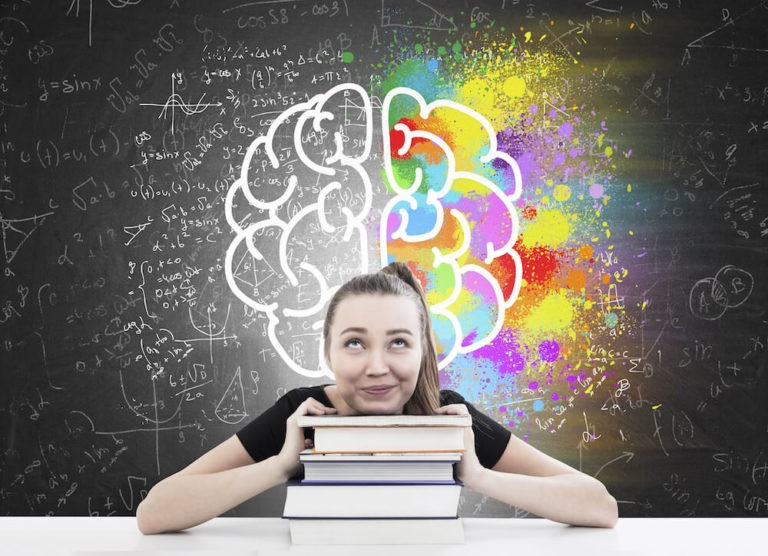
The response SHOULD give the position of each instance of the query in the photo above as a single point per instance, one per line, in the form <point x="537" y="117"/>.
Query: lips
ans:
<point x="379" y="390"/>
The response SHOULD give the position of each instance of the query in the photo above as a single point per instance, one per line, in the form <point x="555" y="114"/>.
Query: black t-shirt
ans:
<point x="264" y="436"/>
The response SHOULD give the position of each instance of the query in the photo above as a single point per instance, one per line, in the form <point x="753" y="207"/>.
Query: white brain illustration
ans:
<point x="302" y="207"/>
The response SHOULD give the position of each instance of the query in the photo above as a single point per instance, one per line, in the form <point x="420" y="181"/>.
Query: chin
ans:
<point x="378" y="408"/>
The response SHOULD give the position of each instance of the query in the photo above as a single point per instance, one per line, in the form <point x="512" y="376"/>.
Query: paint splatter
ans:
<point x="549" y="350"/>
<point x="570" y="298"/>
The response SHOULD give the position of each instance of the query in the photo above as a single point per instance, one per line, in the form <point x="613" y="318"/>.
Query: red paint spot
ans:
<point x="503" y="269"/>
<point x="397" y="138"/>
<point x="539" y="263"/>
<point x="419" y="274"/>
<point x="529" y="213"/>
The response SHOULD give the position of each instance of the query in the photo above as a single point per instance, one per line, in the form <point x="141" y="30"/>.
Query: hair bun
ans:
<point x="404" y="272"/>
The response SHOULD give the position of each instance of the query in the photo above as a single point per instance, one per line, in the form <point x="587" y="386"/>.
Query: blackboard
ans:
<point x="156" y="296"/>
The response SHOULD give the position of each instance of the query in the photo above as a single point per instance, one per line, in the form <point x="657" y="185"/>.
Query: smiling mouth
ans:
<point x="378" y="390"/>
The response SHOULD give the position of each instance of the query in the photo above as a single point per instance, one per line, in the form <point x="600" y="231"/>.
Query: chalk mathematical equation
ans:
<point x="580" y="189"/>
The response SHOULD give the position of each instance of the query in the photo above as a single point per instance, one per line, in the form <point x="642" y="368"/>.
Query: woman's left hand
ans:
<point x="469" y="467"/>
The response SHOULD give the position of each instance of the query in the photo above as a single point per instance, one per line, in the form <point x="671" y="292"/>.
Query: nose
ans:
<point x="377" y="364"/>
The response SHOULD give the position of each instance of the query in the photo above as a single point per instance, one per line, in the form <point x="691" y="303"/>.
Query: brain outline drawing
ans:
<point x="339" y="167"/>
<point x="433" y="197"/>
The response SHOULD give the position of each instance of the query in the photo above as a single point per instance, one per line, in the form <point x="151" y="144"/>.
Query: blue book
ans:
<point x="379" y="468"/>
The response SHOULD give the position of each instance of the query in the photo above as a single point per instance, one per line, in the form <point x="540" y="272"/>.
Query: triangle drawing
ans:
<point x="743" y="33"/>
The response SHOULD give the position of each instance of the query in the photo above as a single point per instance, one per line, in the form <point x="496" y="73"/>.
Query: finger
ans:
<point x="311" y="406"/>
<point x="307" y="405"/>
<point x="453" y="409"/>
<point x="320" y="409"/>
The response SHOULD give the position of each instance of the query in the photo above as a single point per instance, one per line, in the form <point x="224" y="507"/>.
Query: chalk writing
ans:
<point x="580" y="190"/>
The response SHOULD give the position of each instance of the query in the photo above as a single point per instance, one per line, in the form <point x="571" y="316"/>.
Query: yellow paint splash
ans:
<point x="477" y="94"/>
<point x="514" y="87"/>
<point x="562" y="192"/>
<point x="555" y="312"/>
<point x="551" y="228"/>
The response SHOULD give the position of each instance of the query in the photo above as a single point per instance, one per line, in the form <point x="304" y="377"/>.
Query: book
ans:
<point x="369" y="500"/>
<point x="385" y="421"/>
<point x="377" y="531"/>
<point x="386" y="467"/>
<point x="387" y="433"/>
<point x="378" y="479"/>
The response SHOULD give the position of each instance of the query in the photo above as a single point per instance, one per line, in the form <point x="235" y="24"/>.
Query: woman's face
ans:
<point x="375" y="352"/>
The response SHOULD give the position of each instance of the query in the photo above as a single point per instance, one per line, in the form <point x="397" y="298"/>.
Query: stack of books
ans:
<point x="378" y="479"/>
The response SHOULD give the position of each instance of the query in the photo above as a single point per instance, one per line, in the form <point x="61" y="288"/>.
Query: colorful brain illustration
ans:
<point x="304" y="196"/>
<point x="453" y="213"/>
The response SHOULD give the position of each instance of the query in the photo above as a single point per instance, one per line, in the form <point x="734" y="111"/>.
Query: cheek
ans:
<point x="345" y="372"/>
<point x="411" y="368"/>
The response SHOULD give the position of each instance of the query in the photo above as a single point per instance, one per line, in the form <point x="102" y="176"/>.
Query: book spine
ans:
<point x="418" y="518"/>
<point x="377" y="483"/>
<point x="294" y="483"/>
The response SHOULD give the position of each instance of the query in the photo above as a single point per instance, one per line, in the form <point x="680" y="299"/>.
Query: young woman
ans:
<point x="379" y="344"/>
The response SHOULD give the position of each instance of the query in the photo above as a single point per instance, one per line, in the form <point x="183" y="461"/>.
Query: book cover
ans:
<point x="392" y="500"/>
<point x="388" y="439"/>
<point x="378" y="468"/>
<point x="385" y="421"/>
<point x="309" y="456"/>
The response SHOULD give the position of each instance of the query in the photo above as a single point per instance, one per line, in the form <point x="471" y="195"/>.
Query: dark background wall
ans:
<point x="123" y="352"/>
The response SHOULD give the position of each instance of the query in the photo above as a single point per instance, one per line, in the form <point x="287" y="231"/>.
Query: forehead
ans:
<point x="377" y="313"/>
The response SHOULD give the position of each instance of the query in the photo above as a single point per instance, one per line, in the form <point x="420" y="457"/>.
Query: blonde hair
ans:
<point x="397" y="279"/>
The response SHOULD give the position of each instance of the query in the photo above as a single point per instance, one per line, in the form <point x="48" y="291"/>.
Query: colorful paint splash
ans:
<point x="553" y="346"/>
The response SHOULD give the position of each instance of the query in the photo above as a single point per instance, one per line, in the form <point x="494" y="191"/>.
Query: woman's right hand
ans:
<point x="294" y="434"/>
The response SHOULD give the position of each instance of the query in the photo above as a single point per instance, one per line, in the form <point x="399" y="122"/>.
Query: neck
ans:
<point x="342" y="408"/>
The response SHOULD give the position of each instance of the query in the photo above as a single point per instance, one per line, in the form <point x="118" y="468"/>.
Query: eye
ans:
<point x="353" y="343"/>
<point x="400" y="342"/>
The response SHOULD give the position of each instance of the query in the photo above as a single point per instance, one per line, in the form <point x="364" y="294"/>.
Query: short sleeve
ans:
<point x="263" y="437"/>
<point x="491" y="438"/>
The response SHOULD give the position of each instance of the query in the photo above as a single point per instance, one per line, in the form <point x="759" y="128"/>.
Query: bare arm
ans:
<point x="554" y="490"/>
<point x="220" y="480"/>
<point x="529" y="479"/>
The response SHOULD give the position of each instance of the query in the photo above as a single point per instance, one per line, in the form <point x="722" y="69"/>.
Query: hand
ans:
<point x="469" y="467"/>
<point x="294" y="435"/>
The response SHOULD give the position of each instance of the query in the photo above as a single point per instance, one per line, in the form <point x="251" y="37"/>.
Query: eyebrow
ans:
<point x="360" y="330"/>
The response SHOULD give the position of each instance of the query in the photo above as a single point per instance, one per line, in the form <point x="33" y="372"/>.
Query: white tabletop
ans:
<point x="484" y="536"/>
